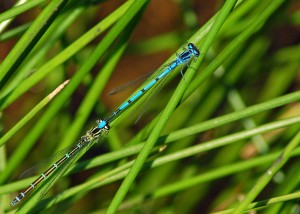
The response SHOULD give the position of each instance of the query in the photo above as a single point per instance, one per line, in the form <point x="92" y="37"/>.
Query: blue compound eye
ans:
<point x="196" y="52"/>
<point x="193" y="49"/>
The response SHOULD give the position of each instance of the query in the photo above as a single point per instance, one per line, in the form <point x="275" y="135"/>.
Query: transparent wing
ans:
<point x="35" y="200"/>
<point x="130" y="84"/>
<point x="62" y="169"/>
<point x="149" y="97"/>
<point x="145" y="104"/>
<point x="137" y="81"/>
<point x="44" y="164"/>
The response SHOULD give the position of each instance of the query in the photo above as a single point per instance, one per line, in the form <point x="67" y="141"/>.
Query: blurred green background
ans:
<point x="203" y="161"/>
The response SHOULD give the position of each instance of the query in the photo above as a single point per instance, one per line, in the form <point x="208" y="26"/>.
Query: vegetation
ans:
<point x="223" y="138"/>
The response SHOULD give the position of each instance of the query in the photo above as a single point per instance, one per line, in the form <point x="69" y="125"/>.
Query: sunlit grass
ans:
<point x="218" y="139"/>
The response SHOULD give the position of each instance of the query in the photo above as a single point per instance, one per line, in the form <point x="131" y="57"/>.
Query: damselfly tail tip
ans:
<point x="14" y="202"/>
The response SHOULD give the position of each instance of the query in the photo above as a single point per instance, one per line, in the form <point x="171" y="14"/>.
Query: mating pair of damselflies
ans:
<point x="103" y="124"/>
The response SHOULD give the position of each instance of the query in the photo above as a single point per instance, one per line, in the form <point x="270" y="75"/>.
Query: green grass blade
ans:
<point x="268" y="175"/>
<point x="22" y="48"/>
<point x="19" y="9"/>
<point x="64" y="55"/>
<point x="113" y="207"/>
<point x="31" y="114"/>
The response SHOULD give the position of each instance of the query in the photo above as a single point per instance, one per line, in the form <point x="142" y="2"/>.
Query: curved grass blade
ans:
<point x="32" y="113"/>
<point x="18" y="54"/>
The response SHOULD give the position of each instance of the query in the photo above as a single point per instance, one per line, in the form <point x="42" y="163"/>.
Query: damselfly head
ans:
<point x="193" y="49"/>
